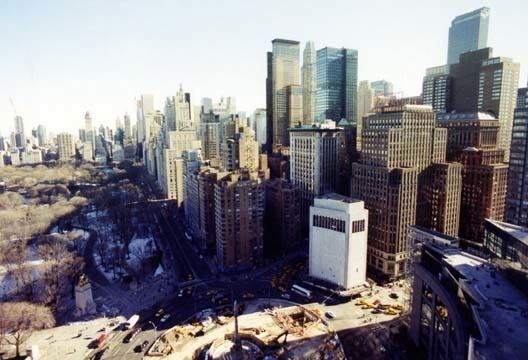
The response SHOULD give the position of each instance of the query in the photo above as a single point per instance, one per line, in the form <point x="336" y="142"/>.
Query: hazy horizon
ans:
<point x="62" y="58"/>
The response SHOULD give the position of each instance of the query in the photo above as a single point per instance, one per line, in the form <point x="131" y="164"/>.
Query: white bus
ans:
<point x="130" y="323"/>
<point x="301" y="291"/>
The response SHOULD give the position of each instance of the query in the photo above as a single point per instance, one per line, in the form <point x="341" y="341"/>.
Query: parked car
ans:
<point x="131" y="335"/>
<point x="165" y="318"/>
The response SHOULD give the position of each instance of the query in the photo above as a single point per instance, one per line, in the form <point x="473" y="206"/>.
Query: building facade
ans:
<point x="308" y="82"/>
<point x="282" y="218"/>
<point x="382" y="88"/>
<point x="517" y="199"/>
<point x="399" y="144"/>
<point x="468" y="32"/>
<point x="65" y="147"/>
<point x="365" y="103"/>
<point x="463" y="307"/>
<point x="436" y="89"/>
<point x="338" y="240"/>
<point x="239" y="214"/>
<point x="336" y="85"/>
<point x="473" y="140"/>
<point x="314" y="162"/>
<point x="285" y="91"/>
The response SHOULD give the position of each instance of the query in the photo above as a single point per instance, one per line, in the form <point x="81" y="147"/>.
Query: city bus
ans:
<point x="301" y="291"/>
<point x="130" y="323"/>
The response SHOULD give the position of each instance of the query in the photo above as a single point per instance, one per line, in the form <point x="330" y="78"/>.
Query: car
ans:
<point x="165" y="318"/>
<point x="286" y="296"/>
<point x="212" y="292"/>
<point x="131" y="335"/>
<point x="138" y="348"/>
<point x="160" y="312"/>
<point x="330" y="315"/>
<point x="144" y="344"/>
<point x="180" y="293"/>
<point x="248" y="296"/>
<point x="393" y="295"/>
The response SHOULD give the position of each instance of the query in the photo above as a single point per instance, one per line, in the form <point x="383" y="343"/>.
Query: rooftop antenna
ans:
<point x="13" y="106"/>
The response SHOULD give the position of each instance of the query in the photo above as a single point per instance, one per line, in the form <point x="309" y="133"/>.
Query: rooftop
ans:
<point x="518" y="232"/>
<point x="465" y="116"/>
<point x="499" y="309"/>
<point x="339" y="197"/>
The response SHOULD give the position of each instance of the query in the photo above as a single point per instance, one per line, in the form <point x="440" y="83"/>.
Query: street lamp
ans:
<point x="155" y="329"/>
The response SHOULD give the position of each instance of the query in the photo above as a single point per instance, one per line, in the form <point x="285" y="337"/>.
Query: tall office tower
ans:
<point x="128" y="128"/>
<point x="182" y="109"/>
<point x="517" y="198"/>
<point x="314" y="162"/>
<point x="436" y="90"/>
<point x="20" y="136"/>
<point x="473" y="142"/>
<point x="336" y="84"/>
<point x="485" y="83"/>
<point x="308" y="82"/>
<point x="239" y="213"/>
<point x="145" y="106"/>
<point x="282" y="218"/>
<point x="398" y="145"/>
<point x="118" y="123"/>
<point x="348" y="154"/>
<point x="284" y="93"/>
<point x="65" y="147"/>
<point x="468" y="32"/>
<point x="152" y="123"/>
<point x="338" y="240"/>
<point x="207" y="105"/>
<point x="522" y="96"/>
<point x="248" y="150"/>
<point x="382" y="88"/>
<point x="169" y="149"/>
<point x="441" y="198"/>
<point x="210" y="135"/>
<point x="200" y="208"/>
<point x="269" y="102"/>
<point x="365" y="103"/>
<point x="42" y="135"/>
<point x="259" y="125"/>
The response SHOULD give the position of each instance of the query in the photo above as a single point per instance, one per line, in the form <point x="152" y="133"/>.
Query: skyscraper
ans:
<point x="314" y="162"/>
<point x="482" y="82"/>
<point x="436" y="90"/>
<point x="336" y="85"/>
<point x="65" y="147"/>
<point x="473" y="142"/>
<point x="128" y="128"/>
<point x="382" y="88"/>
<point x="42" y="135"/>
<point x="398" y="145"/>
<point x="20" y="137"/>
<point x="365" y="103"/>
<point x="284" y="92"/>
<point x="259" y="123"/>
<point x="308" y="82"/>
<point x="517" y="199"/>
<point x="468" y="32"/>
<point x="239" y="215"/>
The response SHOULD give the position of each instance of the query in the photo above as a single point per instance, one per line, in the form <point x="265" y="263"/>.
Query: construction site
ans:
<point x="279" y="331"/>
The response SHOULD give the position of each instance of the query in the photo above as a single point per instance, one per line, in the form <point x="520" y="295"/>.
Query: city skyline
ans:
<point x="104" y="61"/>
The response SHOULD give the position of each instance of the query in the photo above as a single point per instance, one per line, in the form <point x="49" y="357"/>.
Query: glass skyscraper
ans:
<point x="468" y="32"/>
<point x="336" y="84"/>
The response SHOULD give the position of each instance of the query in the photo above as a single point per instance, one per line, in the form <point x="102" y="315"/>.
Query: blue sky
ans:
<point x="61" y="58"/>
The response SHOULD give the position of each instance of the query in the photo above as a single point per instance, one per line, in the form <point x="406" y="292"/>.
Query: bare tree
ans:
<point x="18" y="320"/>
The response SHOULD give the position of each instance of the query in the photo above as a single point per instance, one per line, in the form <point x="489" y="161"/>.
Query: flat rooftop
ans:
<point x="338" y="197"/>
<point x="518" y="232"/>
<point x="501" y="310"/>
